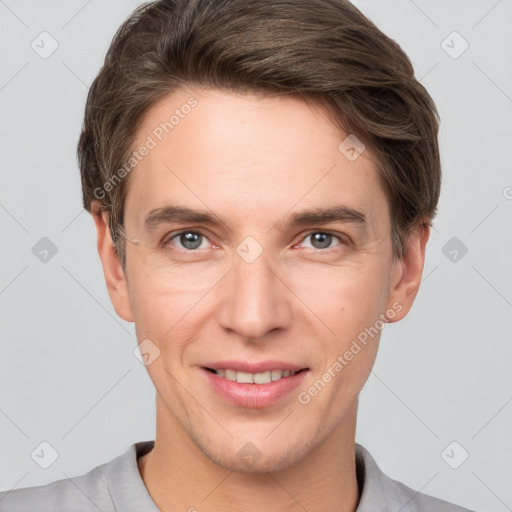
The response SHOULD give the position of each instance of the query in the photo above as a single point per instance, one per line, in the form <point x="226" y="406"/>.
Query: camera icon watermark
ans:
<point x="44" y="250"/>
<point x="44" y="45"/>
<point x="249" y="454"/>
<point x="454" y="249"/>
<point x="351" y="147"/>
<point x="454" y="45"/>
<point x="249" y="249"/>
<point x="44" y="455"/>
<point x="454" y="455"/>
<point x="146" y="352"/>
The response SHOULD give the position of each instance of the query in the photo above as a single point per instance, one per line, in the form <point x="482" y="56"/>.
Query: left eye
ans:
<point x="189" y="240"/>
<point x="321" y="240"/>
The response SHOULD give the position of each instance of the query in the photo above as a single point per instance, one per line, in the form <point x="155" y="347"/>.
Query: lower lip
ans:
<point x="255" y="396"/>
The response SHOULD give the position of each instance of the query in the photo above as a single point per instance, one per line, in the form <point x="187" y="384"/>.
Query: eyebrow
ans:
<point x="325" y="215"/>
<point x="169" y="214"/>
<point x="172" y="213"/>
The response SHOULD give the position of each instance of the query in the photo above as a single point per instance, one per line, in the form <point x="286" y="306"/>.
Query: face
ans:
<point x="259" y="256"/>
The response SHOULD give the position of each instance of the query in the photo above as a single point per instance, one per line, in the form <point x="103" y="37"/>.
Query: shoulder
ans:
<point x="107" y="487"/>
<point x="385" y="494"/>
<point x="82" y="493"/>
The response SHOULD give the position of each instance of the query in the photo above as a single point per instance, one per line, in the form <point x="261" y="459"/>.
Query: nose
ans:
<point x="254" y="300"/>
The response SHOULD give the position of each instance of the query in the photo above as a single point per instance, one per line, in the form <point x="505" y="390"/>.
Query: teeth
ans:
<point x="277" y="374"/>
<point x="230" y="374"/>
<point x="244" y="377"/>
<point x="254" y="378"/>
<point x="262" y="378"/>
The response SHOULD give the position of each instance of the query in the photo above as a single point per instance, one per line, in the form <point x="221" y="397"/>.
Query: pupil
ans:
<point x="191" y="240"/>
<point x="321" y="240"/>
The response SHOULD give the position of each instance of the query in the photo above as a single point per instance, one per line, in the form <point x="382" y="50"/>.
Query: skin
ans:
<point x="253" y="162"/>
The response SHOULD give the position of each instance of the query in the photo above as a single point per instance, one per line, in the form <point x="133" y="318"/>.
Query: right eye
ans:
<point x="188" y="240"/>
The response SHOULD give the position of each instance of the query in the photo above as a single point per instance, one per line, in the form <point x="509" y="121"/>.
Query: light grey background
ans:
<point x="68" y="375"/>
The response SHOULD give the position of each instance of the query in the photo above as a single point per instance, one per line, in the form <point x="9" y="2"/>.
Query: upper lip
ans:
<point x="244" y="366"/>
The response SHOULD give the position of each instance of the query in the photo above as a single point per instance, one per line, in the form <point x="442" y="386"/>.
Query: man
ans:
<point x="262" y="177"/>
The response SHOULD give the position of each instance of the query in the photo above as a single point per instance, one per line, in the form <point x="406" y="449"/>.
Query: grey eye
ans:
<point x="190" y="239"/>
<point x="321" y="240"/>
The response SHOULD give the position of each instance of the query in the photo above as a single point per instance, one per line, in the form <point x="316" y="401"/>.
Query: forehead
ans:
<point x="248" y="155"/>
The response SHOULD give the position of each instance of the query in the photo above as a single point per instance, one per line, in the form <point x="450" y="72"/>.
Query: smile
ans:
<point x="253" y="378"/>
<point x="266" y="385"/>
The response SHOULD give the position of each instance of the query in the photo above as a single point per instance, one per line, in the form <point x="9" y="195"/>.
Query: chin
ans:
<point x="250" y="459"/>
<point x="263" y="465"/>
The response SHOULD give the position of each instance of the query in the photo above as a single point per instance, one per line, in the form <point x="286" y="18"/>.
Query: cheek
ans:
<point x="349" y="301"/>
<point x="163" y="311"/>
<point x="162" y="293"/>
<point x="347" y="298"/>
<point x="362" y="304"/>
<point x="169" y="320"/>
<point x="347" y="354"/>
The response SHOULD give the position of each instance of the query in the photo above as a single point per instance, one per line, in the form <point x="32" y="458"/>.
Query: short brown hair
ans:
<point x="326" y="50"/>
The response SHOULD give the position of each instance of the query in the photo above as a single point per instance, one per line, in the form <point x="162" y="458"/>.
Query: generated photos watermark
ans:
<point x="361" y="341"/>
<point x="157" y="135"/>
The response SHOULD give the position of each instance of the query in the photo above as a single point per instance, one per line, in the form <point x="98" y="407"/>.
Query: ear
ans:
<point x="407" y="273"/>
<point x="112" y="269"/>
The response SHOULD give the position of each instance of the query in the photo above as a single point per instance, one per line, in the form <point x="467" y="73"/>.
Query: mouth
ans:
<point x="265" y="377"/>
<point x="254" y="386"/>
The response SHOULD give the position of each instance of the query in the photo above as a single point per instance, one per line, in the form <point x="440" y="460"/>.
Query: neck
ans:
<point x="179" y="476"/>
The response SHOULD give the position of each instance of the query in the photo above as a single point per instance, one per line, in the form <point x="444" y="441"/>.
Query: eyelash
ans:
<point x="342" y="240"/>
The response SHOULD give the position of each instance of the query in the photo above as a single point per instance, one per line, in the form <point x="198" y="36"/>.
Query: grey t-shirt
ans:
<point x="117" y="486"/>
